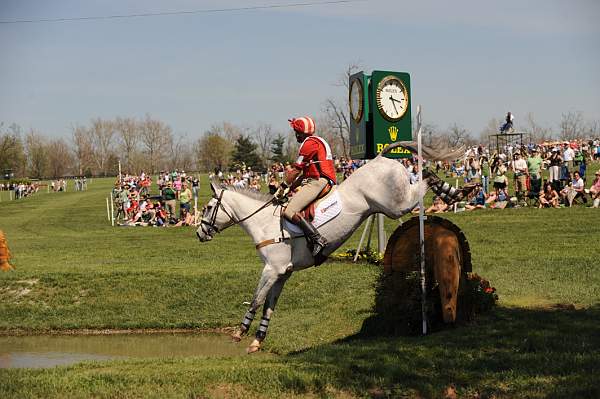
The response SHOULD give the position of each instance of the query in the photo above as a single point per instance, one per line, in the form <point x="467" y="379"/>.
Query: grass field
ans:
<point x="75" y="271"/>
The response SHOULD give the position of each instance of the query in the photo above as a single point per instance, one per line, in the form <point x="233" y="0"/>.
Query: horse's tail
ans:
<point x="409" y="145"/>
<point x="441" y="153"/>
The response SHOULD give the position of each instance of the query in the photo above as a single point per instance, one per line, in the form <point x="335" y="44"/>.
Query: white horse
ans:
<point x="381" y="186"/>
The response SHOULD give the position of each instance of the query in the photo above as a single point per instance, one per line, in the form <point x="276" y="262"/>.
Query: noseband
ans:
<point x="212" y="228"/>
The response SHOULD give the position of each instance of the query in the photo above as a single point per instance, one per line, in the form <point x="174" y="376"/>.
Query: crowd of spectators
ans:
<point x="172" y="206"/>
<point x="567" y="176"/>
<point x="27" y="188"/>
<point x="59" y="185"/>
<point x="546" y="175"/>
<point x="20" y="190"/>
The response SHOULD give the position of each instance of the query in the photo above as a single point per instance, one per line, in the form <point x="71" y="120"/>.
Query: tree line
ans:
<point x="146" y="144"/>
<point x="150" y="145"/>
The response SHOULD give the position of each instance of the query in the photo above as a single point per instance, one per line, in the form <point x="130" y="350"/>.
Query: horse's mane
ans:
<point x="248" y="192"/>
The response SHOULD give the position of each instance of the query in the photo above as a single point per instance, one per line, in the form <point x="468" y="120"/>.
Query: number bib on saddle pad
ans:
<point x="325" y="210"/>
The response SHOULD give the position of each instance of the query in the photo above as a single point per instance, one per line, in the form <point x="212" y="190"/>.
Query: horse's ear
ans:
<point x="215" y="187"/>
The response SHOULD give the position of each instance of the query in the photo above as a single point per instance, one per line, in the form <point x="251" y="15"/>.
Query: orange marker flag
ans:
<point x="4" y="254"/>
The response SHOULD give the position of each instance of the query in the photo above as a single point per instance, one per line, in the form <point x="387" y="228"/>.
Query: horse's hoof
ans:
<point x="254" y="347"/>
<point x="236" y="336"/>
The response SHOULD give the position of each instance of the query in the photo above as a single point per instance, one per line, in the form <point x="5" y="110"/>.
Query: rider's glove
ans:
<point x="282" y="192"/>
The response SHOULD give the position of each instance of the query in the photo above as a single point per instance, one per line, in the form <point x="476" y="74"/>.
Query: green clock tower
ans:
<point x="379" y="113"/>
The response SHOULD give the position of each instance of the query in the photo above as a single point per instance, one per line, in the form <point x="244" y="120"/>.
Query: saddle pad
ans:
<point x="326" y="210"/>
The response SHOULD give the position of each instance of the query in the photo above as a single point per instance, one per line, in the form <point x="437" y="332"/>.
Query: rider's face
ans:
<point x="300" y="137"/>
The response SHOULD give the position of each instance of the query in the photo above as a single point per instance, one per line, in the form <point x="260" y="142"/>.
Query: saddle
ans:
<point x="308" y="213"/>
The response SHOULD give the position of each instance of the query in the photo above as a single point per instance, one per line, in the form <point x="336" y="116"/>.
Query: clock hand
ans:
<point x="394" y="104"/>
<point x="397" y="101"/>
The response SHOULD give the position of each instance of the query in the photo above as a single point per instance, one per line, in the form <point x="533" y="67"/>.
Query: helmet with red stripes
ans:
<point x="304" y="125"/>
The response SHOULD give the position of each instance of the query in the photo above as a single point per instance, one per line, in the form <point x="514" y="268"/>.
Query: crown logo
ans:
<point x="393" y="131"/>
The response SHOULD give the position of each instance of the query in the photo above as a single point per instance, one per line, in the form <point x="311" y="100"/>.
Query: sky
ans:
<point x="469" y="61"/>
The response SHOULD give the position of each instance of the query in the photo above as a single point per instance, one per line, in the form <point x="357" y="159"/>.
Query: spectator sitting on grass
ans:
<point x="476" y="199"/>
<point x="133" y="208"/>
<point x="160" y="216"/>
<point x="549" y="197"/>
<point x="187" y="220"/>
<point x="498" y="199"/>
<point x="438" y="206"/>
<point x="575" y="190"/>
<point x="595" y="190"/>
<point x="579" y="186"/>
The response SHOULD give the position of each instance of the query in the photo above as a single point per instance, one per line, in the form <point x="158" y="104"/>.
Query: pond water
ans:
<point x="50" y="351"/>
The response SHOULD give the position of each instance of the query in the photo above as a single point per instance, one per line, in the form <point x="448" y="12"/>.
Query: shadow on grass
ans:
<point x="513" y="352"/>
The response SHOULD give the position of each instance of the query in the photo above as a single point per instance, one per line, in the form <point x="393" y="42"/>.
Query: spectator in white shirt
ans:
<point x="568" y="155"/>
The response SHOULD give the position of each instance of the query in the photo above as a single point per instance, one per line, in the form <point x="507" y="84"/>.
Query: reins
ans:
<point x="232" y="220"/>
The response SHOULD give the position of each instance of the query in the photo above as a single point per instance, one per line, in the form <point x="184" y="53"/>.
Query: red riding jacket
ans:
<point x="315" y="159"/>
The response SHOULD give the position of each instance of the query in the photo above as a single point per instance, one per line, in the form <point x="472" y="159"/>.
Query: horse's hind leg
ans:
<point x="268" y="310"/>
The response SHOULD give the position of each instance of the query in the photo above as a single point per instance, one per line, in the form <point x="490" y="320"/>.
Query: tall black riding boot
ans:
<point x="314" y="238"/>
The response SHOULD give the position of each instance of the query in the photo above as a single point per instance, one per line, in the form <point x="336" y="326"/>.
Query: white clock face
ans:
<point x="392" y="98"/>
<point x="356" y="100"/>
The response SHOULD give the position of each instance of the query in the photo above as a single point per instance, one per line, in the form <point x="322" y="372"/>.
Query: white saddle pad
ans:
<point x="326" y="210"/>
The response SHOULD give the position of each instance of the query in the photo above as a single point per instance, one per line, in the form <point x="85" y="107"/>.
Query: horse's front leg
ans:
<point x="268" y="310"/>
<point x="269" y="276"/>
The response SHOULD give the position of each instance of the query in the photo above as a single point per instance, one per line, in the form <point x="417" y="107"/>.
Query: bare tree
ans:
<point x="37" y="154"/>
<point x="263" y="136"/>
<point x="128" y="130"/>
<point x="537" y="133"/>
<point x="457" y="135"/>
<point x="226" y="130"/>
<point x="180" y="150"/>
<point x="60" y="159"/>
<point x="213" y="152"/>
<point x="571" y="126"/>
<point x="155" y="136"/>
<point x="592" y="129"/>
<point x="429" y="132"/>
<point x="337" y="117"/>
<point x="83" y="150"/>
<point x="102" y="133"/>
<point x="12" y="151"/>
<point x="492" y="127"/>
<point x="291" y="146"/>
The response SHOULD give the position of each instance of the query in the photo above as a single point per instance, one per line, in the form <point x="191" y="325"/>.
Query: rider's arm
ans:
<point x="306" y="153"/>
<point x="291" y="175"/>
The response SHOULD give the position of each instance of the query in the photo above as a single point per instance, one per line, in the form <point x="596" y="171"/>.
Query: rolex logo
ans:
<point x="393" y="131"/>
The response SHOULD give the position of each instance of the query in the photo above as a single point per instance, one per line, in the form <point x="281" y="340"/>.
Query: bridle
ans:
<point x="212" y="228"/>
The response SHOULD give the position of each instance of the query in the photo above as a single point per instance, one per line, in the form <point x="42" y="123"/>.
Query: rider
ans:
<point x="315" y="164"/>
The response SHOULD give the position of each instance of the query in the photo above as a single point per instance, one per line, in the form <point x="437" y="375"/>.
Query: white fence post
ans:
<point x="112" y="212"/>
<point x="422" y="227"/>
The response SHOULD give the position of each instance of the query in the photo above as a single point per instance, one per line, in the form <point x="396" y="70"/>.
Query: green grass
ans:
<point x="75" y="271"/>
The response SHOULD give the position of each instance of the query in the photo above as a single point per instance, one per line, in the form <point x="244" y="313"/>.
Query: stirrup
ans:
<point x="318" y="244"/>
<point x="315" y="240"/>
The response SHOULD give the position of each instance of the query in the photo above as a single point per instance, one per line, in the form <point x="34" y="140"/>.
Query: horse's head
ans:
<point x="215" y="216"/>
